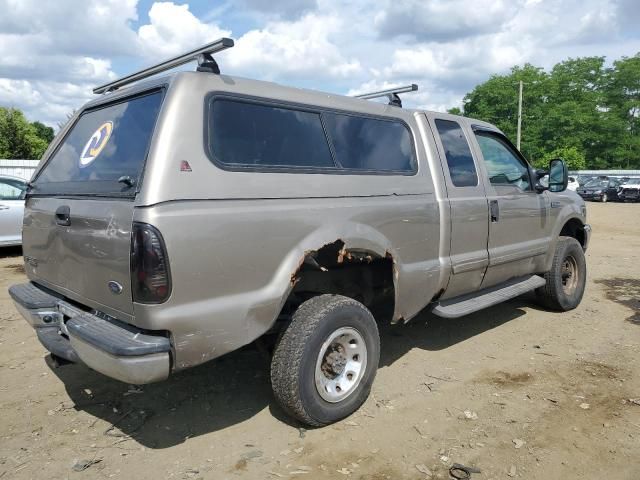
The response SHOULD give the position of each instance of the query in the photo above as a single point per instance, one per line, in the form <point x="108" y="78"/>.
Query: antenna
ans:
<point x="206" y="63"/>
<point x="391" y="93"/>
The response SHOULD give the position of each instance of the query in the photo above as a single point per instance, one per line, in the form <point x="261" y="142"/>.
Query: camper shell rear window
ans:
<point x="105" y="144"/>
<point x="249" y="134"/>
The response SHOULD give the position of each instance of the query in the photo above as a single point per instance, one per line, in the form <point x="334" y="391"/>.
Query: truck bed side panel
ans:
<point x="234" y="260"/>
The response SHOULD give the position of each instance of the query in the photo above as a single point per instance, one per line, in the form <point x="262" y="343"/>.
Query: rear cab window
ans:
<point x="105" y="144"/>
<point x="242" y="134"/>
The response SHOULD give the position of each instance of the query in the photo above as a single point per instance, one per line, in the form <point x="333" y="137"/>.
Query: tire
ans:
<point x="604" y="198"/>
<point x="308" y="362"/>
<point x="567" y="278"/>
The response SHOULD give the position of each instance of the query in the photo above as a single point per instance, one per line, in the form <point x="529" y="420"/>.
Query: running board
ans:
<point x="466" y="304"/>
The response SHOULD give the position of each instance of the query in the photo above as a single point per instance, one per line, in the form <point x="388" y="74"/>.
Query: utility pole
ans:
<point x="519" y="117"/>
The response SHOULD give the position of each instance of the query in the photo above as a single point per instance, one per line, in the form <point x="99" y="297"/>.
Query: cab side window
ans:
<point x="504" y="166"/>
<point x="462" y="170"/>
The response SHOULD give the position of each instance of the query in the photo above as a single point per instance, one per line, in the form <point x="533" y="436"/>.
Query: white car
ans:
<point x="573" y="184"/>
<point x="12" y="191"/>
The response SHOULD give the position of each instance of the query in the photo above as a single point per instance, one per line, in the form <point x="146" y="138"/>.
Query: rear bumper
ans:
<point x="112" y="348"/>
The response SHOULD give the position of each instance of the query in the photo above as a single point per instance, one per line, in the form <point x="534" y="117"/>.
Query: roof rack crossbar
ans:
<point x="391" y="93"/>
<point x="210" y="48"/>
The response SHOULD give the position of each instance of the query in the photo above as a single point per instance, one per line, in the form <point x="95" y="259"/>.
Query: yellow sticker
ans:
<point x="96" y="143"/>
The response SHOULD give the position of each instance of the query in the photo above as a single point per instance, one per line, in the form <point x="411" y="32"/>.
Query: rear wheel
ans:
<point x="567" y="278"/>
<point x="326" y="360"/>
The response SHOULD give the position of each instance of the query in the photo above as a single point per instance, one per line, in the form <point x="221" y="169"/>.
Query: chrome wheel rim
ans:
<point x="569" y="275"/>
<point x="341" y="363"/>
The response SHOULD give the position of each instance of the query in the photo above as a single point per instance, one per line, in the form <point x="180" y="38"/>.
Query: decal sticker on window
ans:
<point x="96" y="144"/>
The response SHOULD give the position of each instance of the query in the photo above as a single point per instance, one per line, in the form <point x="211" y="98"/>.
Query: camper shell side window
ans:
<point x="248" y="134"/>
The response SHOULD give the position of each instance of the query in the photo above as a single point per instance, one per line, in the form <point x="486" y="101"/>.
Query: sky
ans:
<point x="53" y="53"/>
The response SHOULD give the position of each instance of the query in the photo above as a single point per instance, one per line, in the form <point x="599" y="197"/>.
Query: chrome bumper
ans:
<point x="114" y="349"/>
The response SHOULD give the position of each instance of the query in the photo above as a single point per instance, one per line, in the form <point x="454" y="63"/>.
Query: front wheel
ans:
<point x="326" y="360"/>
<point x="567" y="278"/>
<point x="604" y="198"/>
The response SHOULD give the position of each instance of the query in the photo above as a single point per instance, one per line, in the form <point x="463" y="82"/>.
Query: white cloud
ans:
<point x="173" y="29"/>
<point x="46" y="101"/>
<point x="280" y="8"/>
<point x="299" y="48"/>
<point x="84" y="27"/>
<point x="436" y="20"/>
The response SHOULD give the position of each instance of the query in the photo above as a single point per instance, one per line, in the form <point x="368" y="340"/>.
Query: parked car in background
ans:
<point x="629" y="191"/>
<point x="12" y="192"/>
<point x="573" y="184"/>
<point x="603" y="190"/>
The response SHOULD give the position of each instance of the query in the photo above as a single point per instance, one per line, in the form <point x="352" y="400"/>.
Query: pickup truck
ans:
<point x="180" y="217"/>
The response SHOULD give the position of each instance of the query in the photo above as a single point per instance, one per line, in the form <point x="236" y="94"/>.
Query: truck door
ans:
<point x="468" y="205"/>
<point x="519" y="226"/>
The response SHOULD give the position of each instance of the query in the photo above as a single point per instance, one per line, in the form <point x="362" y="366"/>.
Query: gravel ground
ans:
<point x="515" y="391"/>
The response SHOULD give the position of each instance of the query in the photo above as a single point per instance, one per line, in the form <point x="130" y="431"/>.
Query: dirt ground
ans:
<point x="515" y="391"/>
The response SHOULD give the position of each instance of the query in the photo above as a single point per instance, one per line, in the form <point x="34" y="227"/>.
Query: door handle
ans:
<point x="494" y="210"/>
<point x="4" y="207"/>
<point x="63" y="216"/>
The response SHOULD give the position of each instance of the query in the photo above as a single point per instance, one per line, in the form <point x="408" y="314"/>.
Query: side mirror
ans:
<point x="558" y="175"/>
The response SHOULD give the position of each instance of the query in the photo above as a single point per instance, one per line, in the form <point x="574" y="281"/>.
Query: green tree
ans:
<point x="623" y="112"/>
<point x="19" y="138"/>
<point x="573" y="116"/>
<point x="44" y="132"/>
<point x="496" y="101"/>
<point x="579" y="103"/>
<point x="573" y="157"/>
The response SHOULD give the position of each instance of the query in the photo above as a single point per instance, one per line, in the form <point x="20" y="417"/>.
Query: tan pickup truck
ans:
<point x="180" y="217"/>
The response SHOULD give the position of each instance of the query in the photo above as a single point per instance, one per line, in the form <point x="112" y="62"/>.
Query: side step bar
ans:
<point x="466" y="304"/>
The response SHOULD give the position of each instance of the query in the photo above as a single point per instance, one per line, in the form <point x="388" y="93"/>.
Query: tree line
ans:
<point x="21" y="139"/>
<point x="580" y="110"/>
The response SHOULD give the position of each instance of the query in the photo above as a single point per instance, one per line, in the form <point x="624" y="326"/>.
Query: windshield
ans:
<point x="633" y="181"/>
<point x="105" y="144"/>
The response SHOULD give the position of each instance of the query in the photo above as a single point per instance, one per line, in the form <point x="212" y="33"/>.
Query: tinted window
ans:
<point x="11" y="189"/>
<point x="504" y="166"/>
<point x="247" y="134"/>
<point x="104" y="145"/>
<point x="362" y="143"/>
<point x="459" y="159"/>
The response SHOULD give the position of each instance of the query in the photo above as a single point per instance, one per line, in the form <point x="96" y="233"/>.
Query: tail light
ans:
<point x="150" y="276"/>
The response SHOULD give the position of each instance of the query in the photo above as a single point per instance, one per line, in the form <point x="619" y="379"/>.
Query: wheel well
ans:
<point x="574" y="228"/>
<point x="360" y="274"/>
